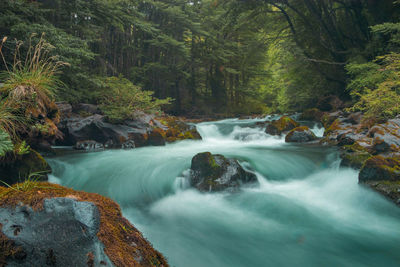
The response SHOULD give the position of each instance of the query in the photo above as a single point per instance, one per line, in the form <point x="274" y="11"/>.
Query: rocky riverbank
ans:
<point x="43" y="224"/>
<point x="373" y="148"/>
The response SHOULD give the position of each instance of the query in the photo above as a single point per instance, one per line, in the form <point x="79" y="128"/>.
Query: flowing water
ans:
<point x="306" y="211"/>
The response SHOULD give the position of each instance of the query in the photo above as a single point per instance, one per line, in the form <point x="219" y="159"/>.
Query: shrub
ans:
<point x="378" y="96"/>
<point x="121" y="100"/>
<point x="31" y="82"/>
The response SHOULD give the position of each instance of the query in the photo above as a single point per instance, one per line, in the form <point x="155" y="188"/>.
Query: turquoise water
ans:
<point x="306" y="211"/>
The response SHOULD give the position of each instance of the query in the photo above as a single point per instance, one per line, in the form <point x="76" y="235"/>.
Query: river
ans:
<point x="305" y="211"/>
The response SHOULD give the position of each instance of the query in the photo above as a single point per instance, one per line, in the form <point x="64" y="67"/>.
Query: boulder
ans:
<point x="94" y="128"/>
<point x="300" y="134"/>
<point x="386" y="136"/>
<point x="354" y="156"/>
<point x="49" y="225"/>
<point x="284" y="124"/>
<point x="177" y="129"/>
<point x="17" y="169"/>
<point x="212" y="173"/>
<point x="380" y="168"/>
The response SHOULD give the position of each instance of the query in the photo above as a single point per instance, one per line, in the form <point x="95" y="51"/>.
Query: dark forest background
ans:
<point x="217" y="56"/>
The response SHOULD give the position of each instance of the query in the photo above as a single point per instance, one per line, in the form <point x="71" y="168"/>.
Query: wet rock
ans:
<point x="284" y="124"/>
<point x="300" y="134"/>
<point x="178" y="129"/>
<point x="156" y="138"/>
<point x="89" y="146"/>
<point x="386" y="137"/>
<point x="212" y="173"/>
<point x="49" y="225"/>
<point x="17" y="169"/>
<point x="380" y="168"/>
<point x="354" y="156"/>
<point x="328" y="118"/>
<point x="94" y="128"/>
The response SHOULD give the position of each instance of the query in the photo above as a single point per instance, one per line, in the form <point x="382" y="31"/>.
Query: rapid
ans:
<point x="305" y="211"/>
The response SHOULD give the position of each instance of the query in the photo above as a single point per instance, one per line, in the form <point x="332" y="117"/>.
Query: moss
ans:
<point x="333" y="127"/>
<point x="356" y="147"/>
<point x="115" y="232"/>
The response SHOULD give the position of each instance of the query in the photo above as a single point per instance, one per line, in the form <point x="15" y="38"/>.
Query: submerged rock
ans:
<point x="211" y="173"/>
<point x="284" y="124"/>
<point x="300" y="134"/>
<point x="49" y="225"/>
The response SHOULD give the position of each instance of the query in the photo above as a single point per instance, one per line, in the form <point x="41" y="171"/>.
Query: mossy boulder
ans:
<point x="328" y="118"/>
<point x="300" y="134"/>
<point x="178" y="129"/>
<point x="354" y="156"/>
<point x="43" y="224"/>
<point x="312" y="114"/>
<point x="211" y="173"/>
<point x="380" y="168"/>
<point x="17" y="168"/>
<point x="284" y="124"/>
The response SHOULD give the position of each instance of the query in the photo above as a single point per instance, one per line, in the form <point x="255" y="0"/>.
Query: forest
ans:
<point x="215" y="56"/>
<point x="221" y="133"/>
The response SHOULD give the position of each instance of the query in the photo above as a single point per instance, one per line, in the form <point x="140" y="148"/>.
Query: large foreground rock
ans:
<point x="300" y="134"/>
<point x="278" y="127"/>
<point x="211" y="173"/>
<point x="48" y="225"/>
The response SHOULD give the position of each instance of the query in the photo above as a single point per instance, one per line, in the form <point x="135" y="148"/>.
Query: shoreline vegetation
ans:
<point x="125" y="74"/>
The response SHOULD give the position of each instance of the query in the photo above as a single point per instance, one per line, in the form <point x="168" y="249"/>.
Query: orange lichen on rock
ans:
<point x="123" y="243"/>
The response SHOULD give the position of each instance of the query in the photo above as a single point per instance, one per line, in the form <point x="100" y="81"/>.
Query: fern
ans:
<point x="6" y="144"/>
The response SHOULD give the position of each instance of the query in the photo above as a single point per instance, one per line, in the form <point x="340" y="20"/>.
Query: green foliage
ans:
<point x="32" y="81"/>
<point x="6" y="144"/>
<point x="122" y="99"/>
<point x="11" y="120"/>
<point x="380" y="94"/>
<point x="22" y="148"/>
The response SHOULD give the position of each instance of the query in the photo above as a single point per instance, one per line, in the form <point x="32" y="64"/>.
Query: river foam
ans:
<point x="306" y="211"/>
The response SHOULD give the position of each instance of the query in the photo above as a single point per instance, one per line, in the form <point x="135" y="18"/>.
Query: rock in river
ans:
<point x="300" y="134"/>
<point x="211" y="173"/>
